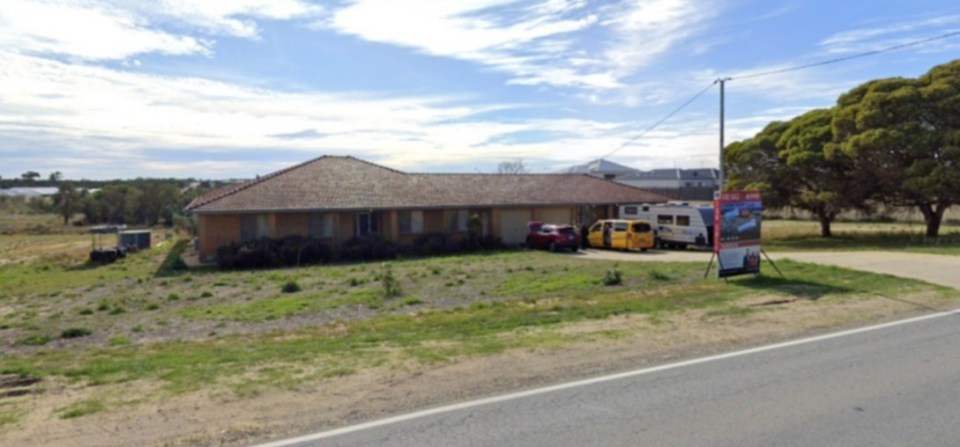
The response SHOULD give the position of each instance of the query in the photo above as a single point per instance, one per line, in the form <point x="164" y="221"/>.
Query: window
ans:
<point x="546" y="229"/>
<point x="411" y="222"/>
<point x="646" y="208"/>
<point x="253" y="228"/>
<point x="596" y="228"/>
<point x="619" y="226"/>
<point x="457" y="220"/>
<point x="629" y="210"/>
<point x="641" y="228"/>
<point x="665" y="219"/>
<point x="321" y="225"/>
<point x="683" y="221"/>
<point x="367" y="224"/>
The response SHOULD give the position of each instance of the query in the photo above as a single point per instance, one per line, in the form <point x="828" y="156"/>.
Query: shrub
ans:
<point x="368" y="248"/>
<point x="153" y="306"/>
<point x="430" y="244"/>
<point x="270" y="253"/>
<point x="173" y="297"/>
<point x="206" y="294"/>
<point x="612" y="277"/>
<point x="412" y="301"/>
<point x="86" y="311"/>
<point x="35" y="340"/>
<point x="391" y="286"/>
<point x="291" y="287"/>
<point x="76" y="332"/>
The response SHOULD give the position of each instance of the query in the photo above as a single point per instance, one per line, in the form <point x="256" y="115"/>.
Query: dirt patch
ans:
<point x="614" y="344"/>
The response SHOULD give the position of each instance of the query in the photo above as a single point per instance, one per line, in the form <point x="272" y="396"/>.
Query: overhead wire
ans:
<point x="847" y="58"/>
<point x="778" y="71"/>
<point x="669" y="115"/>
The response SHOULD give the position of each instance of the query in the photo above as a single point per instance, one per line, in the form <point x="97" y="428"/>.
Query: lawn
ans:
<point x="62" y="319"/>
<point x="793" y="235"/>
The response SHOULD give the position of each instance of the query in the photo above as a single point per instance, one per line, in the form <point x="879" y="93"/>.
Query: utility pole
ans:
<point x="722" y="82"/>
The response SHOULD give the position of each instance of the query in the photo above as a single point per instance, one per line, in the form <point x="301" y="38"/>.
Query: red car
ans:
<point x="552" y="237"/>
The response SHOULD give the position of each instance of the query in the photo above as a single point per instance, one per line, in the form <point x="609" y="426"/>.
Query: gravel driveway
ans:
<point x="936" y="269"/>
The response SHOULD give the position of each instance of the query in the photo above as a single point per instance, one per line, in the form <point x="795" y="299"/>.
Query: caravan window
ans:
<point x="629" y="210"/>
<point x="683" y="221"/>
<point x="665" y="219"/>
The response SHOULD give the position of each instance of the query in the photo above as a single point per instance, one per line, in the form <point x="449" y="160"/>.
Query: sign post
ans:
<point x="737" y="219"/>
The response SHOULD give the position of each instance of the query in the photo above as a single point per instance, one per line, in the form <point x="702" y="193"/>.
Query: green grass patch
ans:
<point x="81" y="408"/>
<point x="433" y="335"/>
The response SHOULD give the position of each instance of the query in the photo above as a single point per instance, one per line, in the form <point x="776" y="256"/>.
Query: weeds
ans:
<point x="613" y="277"/>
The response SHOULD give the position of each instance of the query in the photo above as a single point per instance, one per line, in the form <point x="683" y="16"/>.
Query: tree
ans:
<point x="906" y="132"/>
<point x="755" y="164"/>
<point x="67" y="200"/>
<point x="511" y="167"/>
<point x="56" y="176"/>
<point x="824" y="180"/>
<point x="30" y="176"/>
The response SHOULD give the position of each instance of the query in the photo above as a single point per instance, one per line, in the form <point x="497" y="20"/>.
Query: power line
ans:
<point x="654" y="126"/>
<point x="847" y="58"/>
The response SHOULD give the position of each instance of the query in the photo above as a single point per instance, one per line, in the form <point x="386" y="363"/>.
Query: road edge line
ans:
<point x="595" y="380"/>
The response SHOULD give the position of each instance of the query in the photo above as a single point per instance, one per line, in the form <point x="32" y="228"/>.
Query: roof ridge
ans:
<point x="229" y="191"/>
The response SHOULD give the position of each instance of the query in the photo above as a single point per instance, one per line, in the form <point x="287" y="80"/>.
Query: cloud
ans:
<point x="112" y="123"/>
<point x="100" y="30"/>
<point x="561" y="43"/>
<point x="875" y="38"/>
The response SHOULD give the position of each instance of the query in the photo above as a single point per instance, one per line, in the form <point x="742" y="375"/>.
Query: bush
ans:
<point x="291" y="287"/>
<point x="430" y="244"/>
<point x="271" y="253"/>
<point x="391" y="286"/>
<point x="76" y="332"/>
<point x="612" y="277"/>
<point x="369" y="248"/>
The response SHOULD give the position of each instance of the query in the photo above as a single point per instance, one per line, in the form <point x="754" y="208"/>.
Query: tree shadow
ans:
<point x="802" y="289"/>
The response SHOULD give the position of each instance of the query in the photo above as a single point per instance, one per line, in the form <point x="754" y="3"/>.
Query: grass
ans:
<point x="341" y="320"/>
<point x="81" y="408"/>
<point x="433" y="335"/>
<point x="781" y="235"/>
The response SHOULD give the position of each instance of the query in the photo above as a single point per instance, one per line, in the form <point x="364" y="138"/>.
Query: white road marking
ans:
<point x="595" y="380"/>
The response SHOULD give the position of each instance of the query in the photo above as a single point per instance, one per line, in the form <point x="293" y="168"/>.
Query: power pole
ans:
<point x="722" y="82"/>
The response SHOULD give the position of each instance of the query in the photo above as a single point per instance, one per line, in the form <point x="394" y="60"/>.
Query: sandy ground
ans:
<point x="216" y="418"/>
<point x="935" y="269"/>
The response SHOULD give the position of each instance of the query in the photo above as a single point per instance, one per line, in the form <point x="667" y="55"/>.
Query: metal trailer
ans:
<point x="676" y="225"/>
<point x="99" y="253"/>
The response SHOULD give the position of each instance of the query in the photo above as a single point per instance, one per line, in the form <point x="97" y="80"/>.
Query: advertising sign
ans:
<point x="736" y="226"/>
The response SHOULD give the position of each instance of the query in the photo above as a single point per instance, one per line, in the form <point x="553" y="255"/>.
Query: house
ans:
<point x="338" y="198"/>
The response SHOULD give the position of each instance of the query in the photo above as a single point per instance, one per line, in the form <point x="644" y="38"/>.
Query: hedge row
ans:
<point x="298" y="251"/>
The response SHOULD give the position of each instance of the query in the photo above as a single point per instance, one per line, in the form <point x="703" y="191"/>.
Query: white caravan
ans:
<point x="676" y="225"/>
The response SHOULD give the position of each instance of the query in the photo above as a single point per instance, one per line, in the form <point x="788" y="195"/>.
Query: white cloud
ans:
<point x="536" y="43"/>
<point x="878" y="37"/>
<point x="114" y="123"/>
<point x="115" y="30"/>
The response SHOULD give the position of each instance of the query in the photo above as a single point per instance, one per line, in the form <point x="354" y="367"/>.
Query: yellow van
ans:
<point x="621" y="234"/>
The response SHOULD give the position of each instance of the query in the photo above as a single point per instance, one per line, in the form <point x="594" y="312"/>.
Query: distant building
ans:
<point x="27" y="193"/>
<point x="684" y="184"/>
<point x="601" y="168"/>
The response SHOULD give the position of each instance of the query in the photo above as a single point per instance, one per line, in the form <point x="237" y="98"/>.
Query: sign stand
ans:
<point x="765" y="255"/>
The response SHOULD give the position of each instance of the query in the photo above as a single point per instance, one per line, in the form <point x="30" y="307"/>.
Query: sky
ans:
<point x="104" y="89"/>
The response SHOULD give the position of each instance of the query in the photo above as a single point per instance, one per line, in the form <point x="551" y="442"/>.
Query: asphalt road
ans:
<point x="894" y="386"/>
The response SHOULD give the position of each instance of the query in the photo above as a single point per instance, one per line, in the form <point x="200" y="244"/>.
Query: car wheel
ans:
<point x="643" y="250"/>
<point x="552" y="247"/>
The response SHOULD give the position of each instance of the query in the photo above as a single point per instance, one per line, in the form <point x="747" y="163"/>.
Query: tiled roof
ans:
<point x="346" y="183"/>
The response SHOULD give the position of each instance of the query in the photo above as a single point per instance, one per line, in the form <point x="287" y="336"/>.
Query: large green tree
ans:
<point x="755" y="164"/>
<point x="823" y="180"/>
<point x="906" y="134"/>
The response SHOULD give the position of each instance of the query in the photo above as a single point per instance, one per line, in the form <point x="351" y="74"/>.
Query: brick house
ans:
<point x="337" y="198"/>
